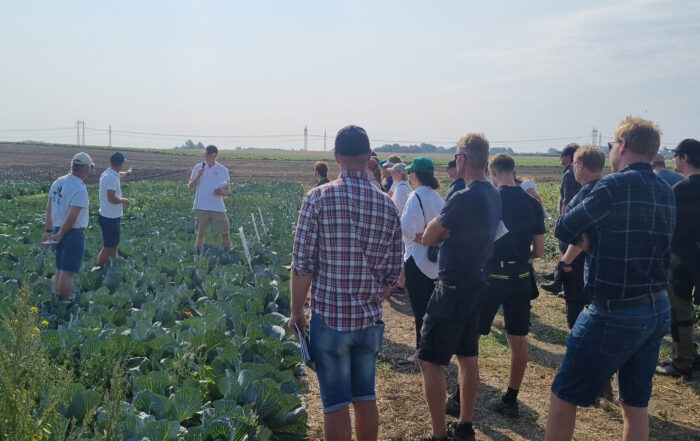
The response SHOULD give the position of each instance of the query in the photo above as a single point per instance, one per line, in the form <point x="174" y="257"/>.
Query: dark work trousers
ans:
<point x="684" y="280"/>
<point x="420" y="287"/>
<point x="574" y="294"/>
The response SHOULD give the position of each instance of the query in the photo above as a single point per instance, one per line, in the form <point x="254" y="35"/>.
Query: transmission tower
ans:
<point x="110" y="135"/>
<point x="306" y="138"/>
<point x="594" y="136"/>
<point x="324" y="140"/>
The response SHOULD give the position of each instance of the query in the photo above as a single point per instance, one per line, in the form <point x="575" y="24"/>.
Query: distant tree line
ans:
<point x="429" y="148"/>
<point x="189" y="145"/>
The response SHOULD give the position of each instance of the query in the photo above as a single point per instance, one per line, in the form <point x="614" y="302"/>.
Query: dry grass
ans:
<point x="674" y="408"/>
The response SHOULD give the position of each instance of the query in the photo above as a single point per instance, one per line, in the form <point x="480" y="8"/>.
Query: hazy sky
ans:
<point x="254" y="74"/>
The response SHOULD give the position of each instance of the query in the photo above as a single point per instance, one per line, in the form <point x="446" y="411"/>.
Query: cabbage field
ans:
<point x="164" y="343"/>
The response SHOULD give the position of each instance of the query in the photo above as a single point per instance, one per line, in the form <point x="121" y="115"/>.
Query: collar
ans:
<point x="638" y="166"/>
<point x="354" y="174"/>
<point x="567" y="168"/>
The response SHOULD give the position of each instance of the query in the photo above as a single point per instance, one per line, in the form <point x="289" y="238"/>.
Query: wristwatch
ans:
<point x="562" y="263"/>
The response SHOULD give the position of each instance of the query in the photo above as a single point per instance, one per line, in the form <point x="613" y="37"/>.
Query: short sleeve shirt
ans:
<point x="523" y="217"/>
<point x="569" y="187"/>
<point x="214" y="177"/>
<point x="456" y="185"/>
<point x="109" y="180"/>
<point x="672" y="178"/>
<point x="400" y="190"/>
<point x="69" y="191"/>
<point x="472" y="216"/>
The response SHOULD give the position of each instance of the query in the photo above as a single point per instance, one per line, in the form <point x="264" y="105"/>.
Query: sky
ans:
<point x="529" y="75"/>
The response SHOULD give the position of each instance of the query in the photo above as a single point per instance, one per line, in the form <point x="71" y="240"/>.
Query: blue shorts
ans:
<point x="69" y="252"/>
<point x="111" y="230"/>
<point x="605" y="341"/>
<point x="345" y="363"/>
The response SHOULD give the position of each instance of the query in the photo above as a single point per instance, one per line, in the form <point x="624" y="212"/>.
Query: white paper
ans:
<point x="303" y="348"/>
<point x="501" y="230"/>
<point x="49" y="242"/>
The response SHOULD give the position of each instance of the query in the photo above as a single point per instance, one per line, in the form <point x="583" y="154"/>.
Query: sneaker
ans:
<point x="452" y="407"/>
<point x="461" y="432"/>
<point x="552" y="288"/>
<point x="549" y="276"/>
<point x="671" y="370"/>
<point x="508" y="410"/>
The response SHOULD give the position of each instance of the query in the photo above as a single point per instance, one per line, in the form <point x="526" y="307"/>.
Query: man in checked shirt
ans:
<point x="348" y="249"/>
<point x="626" y="224"/>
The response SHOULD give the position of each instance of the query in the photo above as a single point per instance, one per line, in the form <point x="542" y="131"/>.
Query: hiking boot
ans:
<point x="671" y="370"/>
<point x="508" y="410"/>
<point x="461" y="432"/>
<point x="452" y="407"/>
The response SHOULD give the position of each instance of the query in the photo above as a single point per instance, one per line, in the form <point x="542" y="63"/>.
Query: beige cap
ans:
<point x="83" y="158"/>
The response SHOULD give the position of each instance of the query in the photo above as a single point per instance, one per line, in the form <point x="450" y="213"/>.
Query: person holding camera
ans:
<point x="420" y="263"/>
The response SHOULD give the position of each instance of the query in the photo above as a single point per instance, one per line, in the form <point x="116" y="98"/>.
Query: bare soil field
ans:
<point x="23" y="162"/>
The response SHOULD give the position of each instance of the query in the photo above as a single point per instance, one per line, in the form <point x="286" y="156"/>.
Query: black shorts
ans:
<point x="514" y="294"/>
<point x="111" y="230"/>
<point x="451" y="324"/>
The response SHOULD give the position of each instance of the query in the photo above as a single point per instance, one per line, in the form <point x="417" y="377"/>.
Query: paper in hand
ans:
<point x="501" y="230"/>
<point x="49" y="242"/>
<point x="304" y="348"/>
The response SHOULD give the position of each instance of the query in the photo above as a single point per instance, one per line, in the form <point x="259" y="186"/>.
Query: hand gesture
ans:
<point x="200" y="172"/>
<point x="125" y="202"/>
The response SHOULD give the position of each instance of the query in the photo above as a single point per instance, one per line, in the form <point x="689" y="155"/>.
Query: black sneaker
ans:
<point x="552" y="288"/>
<point x="461" y="432"/>
<point x="508" y="410"/>
<point x="452" y="407"/>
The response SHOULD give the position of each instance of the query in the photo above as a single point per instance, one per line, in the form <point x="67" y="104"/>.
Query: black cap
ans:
<point x="352" y="141"/>
<point x="211" y="149"/>
<point x="116" y="159"/>
<point x="688" y="146"/>
<point x="569" y="150"/>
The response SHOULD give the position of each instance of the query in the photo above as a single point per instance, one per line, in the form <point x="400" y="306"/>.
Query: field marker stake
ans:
<point x="255" y="226"/>
<point x="262" y="221"/>
<point x="245" y="248"/>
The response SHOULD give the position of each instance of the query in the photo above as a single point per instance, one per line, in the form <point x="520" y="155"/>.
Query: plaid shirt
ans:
<point x="349" y="237"/>
<point x="569" y="187"/>
<point x="629" y="217"/>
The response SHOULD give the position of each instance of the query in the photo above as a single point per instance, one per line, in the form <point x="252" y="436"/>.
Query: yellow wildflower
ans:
<point x="44" y="323"/>
<point x="34" y="309"/>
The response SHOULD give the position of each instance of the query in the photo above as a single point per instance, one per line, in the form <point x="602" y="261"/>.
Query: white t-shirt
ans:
<point x="69" y="191"/>
<point x="414" y="221"/>
<point x="526" y="185"/>
<point x="213" y="178"/>
<point x="400" y="190"/>
<point x="109" y="180"/>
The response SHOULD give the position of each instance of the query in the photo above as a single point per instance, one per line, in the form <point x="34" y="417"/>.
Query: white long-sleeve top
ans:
<point x="414" y="221"/>
<point x="400" y="191"/>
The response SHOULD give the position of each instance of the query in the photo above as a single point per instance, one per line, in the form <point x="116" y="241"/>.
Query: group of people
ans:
<point x="467" y="256"/>
<point x="67" y="211"/>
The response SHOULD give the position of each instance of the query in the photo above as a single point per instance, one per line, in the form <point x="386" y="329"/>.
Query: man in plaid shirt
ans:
<point x="348" y="249"/>
<point x="626" y="224"/>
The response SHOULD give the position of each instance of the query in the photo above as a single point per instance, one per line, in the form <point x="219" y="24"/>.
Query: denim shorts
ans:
<point x="69" y="252"/>
<point x="111" y="230"/>
<point x="345" y="362"/>
<point x="605" y="341"/>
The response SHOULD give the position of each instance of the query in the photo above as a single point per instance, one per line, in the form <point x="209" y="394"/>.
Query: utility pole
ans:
<point x="83" y="122"/>
<point x="324" y="140"/>
<point x="594" y="135"/>
<point x="306" y="138"/>
<point x="77" y="128"/>
<point x="110" y="135"/>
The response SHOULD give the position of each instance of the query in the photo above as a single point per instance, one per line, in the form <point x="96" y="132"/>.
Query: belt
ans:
<point x="628" y="303"/>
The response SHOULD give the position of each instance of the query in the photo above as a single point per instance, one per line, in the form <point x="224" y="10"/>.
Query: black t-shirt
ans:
<point x="457" y="185"/>
<point x="686" y="236"/>
<point x="472" y="216"/>
<point x="523" y="217"/>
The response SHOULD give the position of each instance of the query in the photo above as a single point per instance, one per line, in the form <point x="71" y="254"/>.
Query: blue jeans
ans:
<point x="605" y="341"/>
<point x="345" y="363"/>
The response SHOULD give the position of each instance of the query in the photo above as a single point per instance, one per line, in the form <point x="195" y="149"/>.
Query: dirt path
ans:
<point x="403" y="412"/>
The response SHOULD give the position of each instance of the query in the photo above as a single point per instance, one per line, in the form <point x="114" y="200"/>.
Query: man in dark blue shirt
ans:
<point x="671" y="177"/>
<point x="588" y="169"/>
<point x="467" y="224"/>
<point x="457" y="181"/>
<point x="625" y="224"/>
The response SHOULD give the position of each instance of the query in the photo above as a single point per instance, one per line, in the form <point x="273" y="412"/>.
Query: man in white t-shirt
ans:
<point x="112" y="206"/>
<point x="212" y="182"/>
<point x="66" y="220"/>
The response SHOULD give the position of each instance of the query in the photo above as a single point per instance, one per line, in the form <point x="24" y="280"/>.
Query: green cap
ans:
<point x="421" y="164"/>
